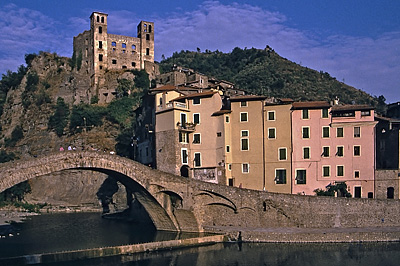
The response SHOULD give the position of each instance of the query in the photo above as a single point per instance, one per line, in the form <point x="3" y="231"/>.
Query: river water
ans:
<point x="57" y="232"/>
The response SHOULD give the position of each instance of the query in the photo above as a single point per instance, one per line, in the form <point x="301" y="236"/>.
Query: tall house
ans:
<point x="278" y="146"/>
<point x="188" y="136"/>
<point x="245" y="144"/>
<point x="96" y="51"/>
<point x="331" y="145"/>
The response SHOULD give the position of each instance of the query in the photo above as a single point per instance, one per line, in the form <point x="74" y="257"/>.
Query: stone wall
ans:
<point x="385" y="179"/>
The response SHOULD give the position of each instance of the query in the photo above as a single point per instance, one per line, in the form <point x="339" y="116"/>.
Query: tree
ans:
<point x="59" y="120"/>
<point x="16" y="135"/>
<point x="339" y="188"/>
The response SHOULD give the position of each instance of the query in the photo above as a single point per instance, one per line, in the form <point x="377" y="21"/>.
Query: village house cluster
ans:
<point x="203" y="128"/>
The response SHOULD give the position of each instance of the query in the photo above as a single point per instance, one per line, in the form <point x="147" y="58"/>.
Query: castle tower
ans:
<point x="98" y="32"/>
<point x="145" y="32"/>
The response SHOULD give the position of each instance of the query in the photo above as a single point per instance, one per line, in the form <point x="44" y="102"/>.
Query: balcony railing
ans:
<point x="187" y="127"/>
<point x="172" y="105"/>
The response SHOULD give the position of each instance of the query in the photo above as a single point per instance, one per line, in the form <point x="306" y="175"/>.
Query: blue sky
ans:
<point x="356" y="41"/>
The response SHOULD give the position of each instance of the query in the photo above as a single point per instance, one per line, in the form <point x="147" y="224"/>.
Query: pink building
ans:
<point x="332" y="144"/>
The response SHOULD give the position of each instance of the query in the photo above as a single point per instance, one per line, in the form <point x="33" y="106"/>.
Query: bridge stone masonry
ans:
<point x="175" y="203"/>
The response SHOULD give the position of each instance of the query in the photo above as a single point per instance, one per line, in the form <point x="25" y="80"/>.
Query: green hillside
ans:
<point x="265" y="72"/>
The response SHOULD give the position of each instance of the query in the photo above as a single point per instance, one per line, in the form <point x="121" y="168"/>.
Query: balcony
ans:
<point x="186" y="127"/>
<point x="172" y="105"/>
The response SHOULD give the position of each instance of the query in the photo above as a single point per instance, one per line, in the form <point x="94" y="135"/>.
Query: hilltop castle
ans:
<point x="96" y="52"/>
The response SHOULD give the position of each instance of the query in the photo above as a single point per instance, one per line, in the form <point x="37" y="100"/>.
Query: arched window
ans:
<point x="124" y="45"/>
<point x="102" y="19"/>
<point x="133" y="47"/>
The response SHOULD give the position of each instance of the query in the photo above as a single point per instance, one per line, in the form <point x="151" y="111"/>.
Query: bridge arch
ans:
<point x="134" y="176"/>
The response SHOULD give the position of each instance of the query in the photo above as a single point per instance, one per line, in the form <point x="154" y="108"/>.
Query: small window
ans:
<point x="114" y="61"/>
<point x="133" y="47"/>
<point x="366" y="113"/>
<point x="133" y="64"/>
<point x="219" y="134"/>
<point x="326" y="171"/>
<point x="100" y="30"/>
<point x="325" y="113"/>
<point x="231" y="182"/>
<point x="196" y="118"/>
<point x="306" y="132"/>
<point x="196" y="101"/>
<point x="357" y="174"/>
<point x="98" y="19"/>
<point x="228" y="148"/>
<point x="149" y="28"/>
<point x="339" y="151"/>
<point x="245" y="168"/>
<point x="325" y="132"/>
<point x="197" y="159"/>
<point x="271" y="133"/>
<point x="244" y="133"/>
<point x="227" y="119"/>
<point x="124" y="67"/>
<point x="113" y="44"/>
<point x="244" y="144"/>
<point x="147" y="37"/>
<point x="123" y="51"/>
<point x="282" y="154"/>
<point x="306" y="152"/>
<point x="230" y="167"/>
<point x="123" y="45"/>
<point x="147" y="51"/>
<point x="340" y="170"/>
<point x="357" y="150"/>
<point x="100" y="45"/>
<point x="243" y="104"/>
<point x="183" y="137"/>
<point x="325" y="151"/>
<point x="357" y="132"/>
<point x="100" y="57"/>
<point x="184" y="156"/>
<point x="271" y="116"/>
<point x="280" y="176"/>
<point x="102" y="19"/>
<point x="339" y="132"/>
<point x="305" y="114"/>
<point x="196" y="138"/>
<point x="301" y="177"/>
<point x="243" y="117"/>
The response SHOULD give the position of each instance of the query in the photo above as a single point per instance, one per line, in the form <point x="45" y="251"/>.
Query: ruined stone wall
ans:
<point x="167" y="152"/>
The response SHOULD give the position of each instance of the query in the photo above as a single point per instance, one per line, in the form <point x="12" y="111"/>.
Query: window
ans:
<point x="357" y="150"/>
<point x="326" y="171"/>
<point x="230" y="182"/>
<point x="243" y="104"/>
<point x="339" y="151"/>
<point x="325" y="113"/>
<point x="325" y="151"/>
<point x="228" y="148"/>
<point x="147" y="37"/>
<point x="271" y="116"/>
<point x="357" y="132"/>
<point x="305" y="114"/>
<point x="280" y="176"/>
<point x="100" y="30"/>
<point x="245" y="168"/>
<point x="102" y="19"/>
<point x="149" y="28"/>
<point x="114" y="61"/>
<point x="366" y="113"/>
<point x="123" y="45"/>
<point x="183" y="137"/>
<point x="306" y="152"/>
<point x="282" y="154"/>
<point x="123" y="51"/>
<point x="301" y="176"/>
<point x="184" y="156"/>
<point x="196" y="138"/>
<point x="244" y="144"/>
<point x="133" y="64"/>
<point x="196" y="100"/>
<point x="100" y="45"/>
<point x="339" y="132"/>
<point x="219" y="134"/>
<point x="113" y="44"/>
<point x="357" y="174"/>
<point x="100" y="57"/>
<point x="271" y="133"/>
<point x="98" y="19"/>
<point x="133" y="47"/>
<point x="227" y="119"/>
<point x="306" y="132"/>
<point x="196" y="118"/>
<point x="357" y="192"/>
<point x="124" y="66"/>
<point x="243" y="117"/>
<point x="230" y="167"/>
<point x="340" y="170"/>
<point x="147" y="51"/>
<point x="197" y="159"/>
<point x="325" y="132"/>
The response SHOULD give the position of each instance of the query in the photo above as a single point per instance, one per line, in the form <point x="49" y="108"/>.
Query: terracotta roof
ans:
<point x="221" y="112"/>
<point x="194" y="95"/>
<point x="349" y="107"/>
<point x="311" y="105"/>
<point x="247" y="98"/>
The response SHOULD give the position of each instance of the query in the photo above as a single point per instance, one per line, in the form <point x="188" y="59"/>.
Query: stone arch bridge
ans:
<point x="176" y="203"/>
